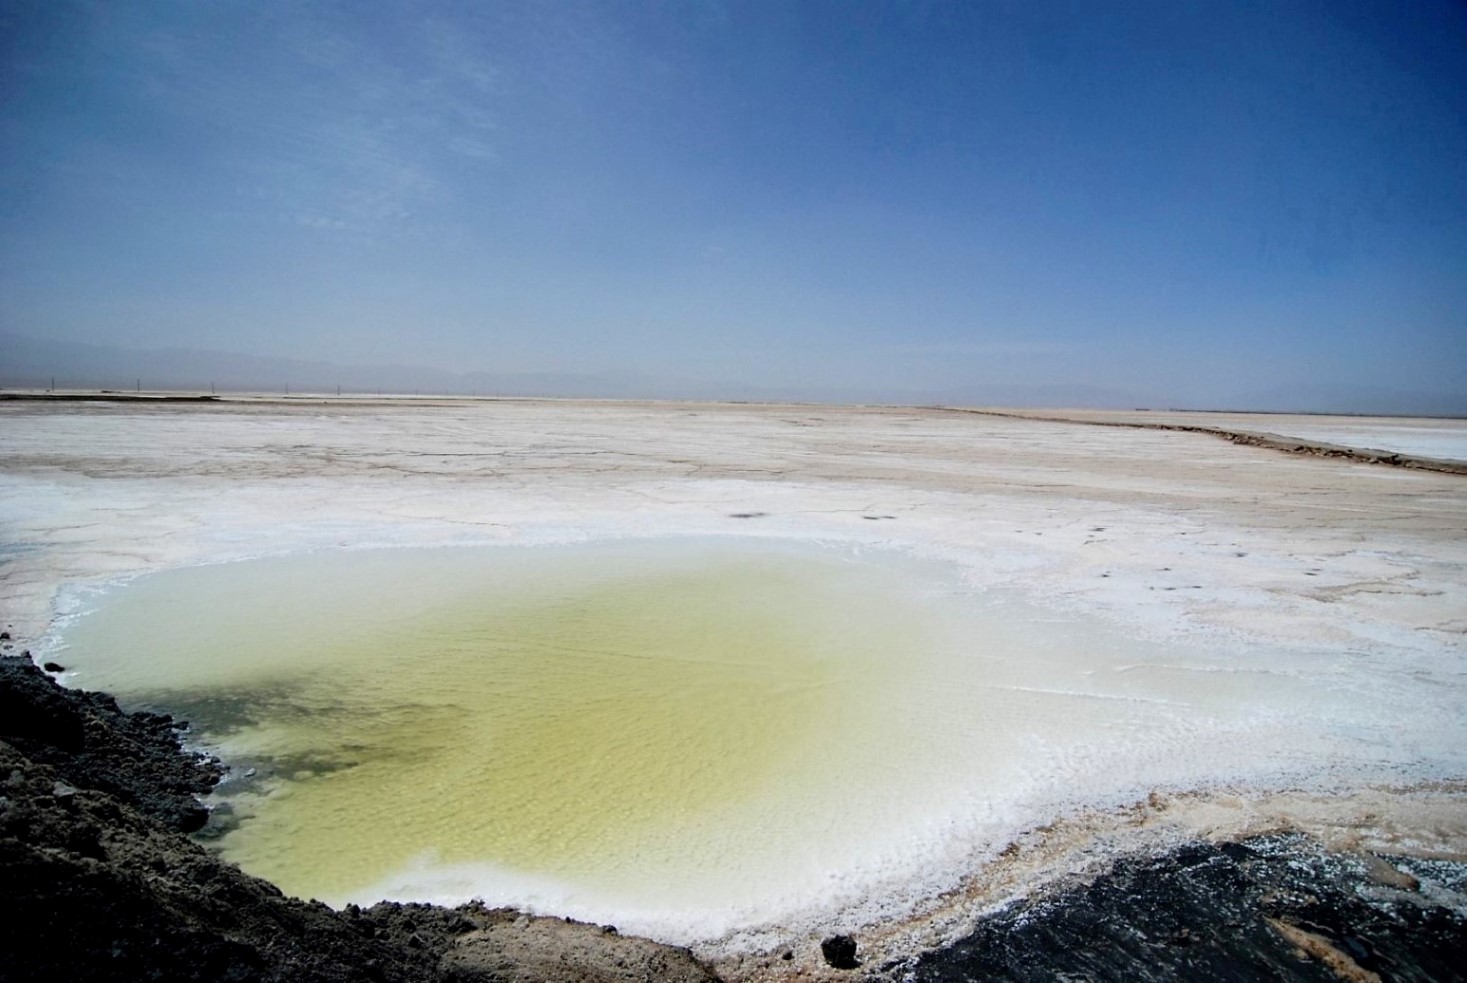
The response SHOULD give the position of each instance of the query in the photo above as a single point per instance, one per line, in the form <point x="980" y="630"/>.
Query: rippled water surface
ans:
<point x="682" y="736"/>
<point x="561" y="711"/>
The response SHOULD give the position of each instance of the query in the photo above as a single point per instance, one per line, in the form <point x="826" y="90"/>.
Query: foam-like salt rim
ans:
<point x="899" y="893"/>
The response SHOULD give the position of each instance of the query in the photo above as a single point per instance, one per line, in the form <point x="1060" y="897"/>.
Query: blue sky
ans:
<point x="1199" y="200"/>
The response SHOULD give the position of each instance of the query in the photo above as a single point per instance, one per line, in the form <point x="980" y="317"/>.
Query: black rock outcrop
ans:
<point x="1277" y="907"/>
<point x="92" y="744"/>
<point x="840" y="952"/>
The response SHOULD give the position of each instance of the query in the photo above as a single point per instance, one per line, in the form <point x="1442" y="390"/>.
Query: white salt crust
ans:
<point x="1276" y="574"/>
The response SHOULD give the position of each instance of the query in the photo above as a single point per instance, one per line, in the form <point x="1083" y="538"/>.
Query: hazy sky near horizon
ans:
<point x="1160" y="197"/>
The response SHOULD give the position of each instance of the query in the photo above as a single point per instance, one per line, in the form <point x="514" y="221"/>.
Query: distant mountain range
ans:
<point x="34" y="363"/>
<point x="1316" y="397"/>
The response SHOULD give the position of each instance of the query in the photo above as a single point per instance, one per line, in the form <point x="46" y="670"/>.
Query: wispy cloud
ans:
<point x="325" y="125"/>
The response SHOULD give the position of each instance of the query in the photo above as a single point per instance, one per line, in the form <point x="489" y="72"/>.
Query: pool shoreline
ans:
<point x="1241" y="898"/>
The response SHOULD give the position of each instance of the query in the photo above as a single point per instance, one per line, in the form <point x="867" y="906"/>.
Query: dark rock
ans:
<point x="97" y="890"/>
<point x="54" y="667"/>
<point x="35" y="713"/>
<point x="1233" y="912"/>
<point x="93" y="744"/>
<point x="840" y="952"/>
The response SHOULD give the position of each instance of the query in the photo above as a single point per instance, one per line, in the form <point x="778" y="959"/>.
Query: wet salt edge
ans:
<point x="934" y="858"/>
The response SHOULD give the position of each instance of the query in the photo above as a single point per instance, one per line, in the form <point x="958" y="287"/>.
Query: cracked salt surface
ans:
<point x="1174" y="612"/>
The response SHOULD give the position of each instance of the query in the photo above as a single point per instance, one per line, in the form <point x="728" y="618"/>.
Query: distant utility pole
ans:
<point x="211" y="387"/>
<point x="53" y="384"/>
<point x="140" y="385"/>
<point x="338" y="390"/>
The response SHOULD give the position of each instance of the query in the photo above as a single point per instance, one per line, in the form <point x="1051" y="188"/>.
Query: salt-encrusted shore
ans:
<point x="1165" y="534"/>
<point x="102" y="885"/>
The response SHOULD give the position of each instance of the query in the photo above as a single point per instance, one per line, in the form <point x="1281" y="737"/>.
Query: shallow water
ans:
<point x="551" y="711"/>
<point x="684" y="737"/>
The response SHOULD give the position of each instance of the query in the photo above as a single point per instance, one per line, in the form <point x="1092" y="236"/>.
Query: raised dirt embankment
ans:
<point x="1245" y="438"/>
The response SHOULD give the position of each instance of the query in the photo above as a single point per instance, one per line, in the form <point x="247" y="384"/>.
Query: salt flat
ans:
<point x="1340" y="585"/>
<point x="1333" y="551"/>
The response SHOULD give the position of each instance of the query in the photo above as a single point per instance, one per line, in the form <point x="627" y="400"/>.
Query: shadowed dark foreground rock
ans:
<point x="839" y="952"/>
<point x="92" y="744"/>
<point x="1270" y="908"/>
